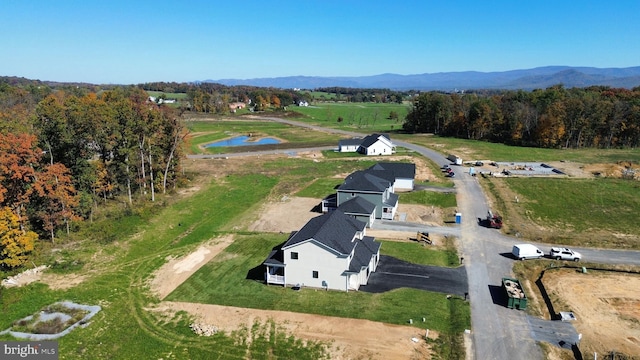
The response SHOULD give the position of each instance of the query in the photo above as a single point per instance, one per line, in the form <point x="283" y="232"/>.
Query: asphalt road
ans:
<point x="497" y="332"/>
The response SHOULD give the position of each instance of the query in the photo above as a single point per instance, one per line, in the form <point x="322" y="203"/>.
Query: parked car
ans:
<point x="564" y="254"/>
<point x="451" y="174"/>
<point x="526" y="251"/>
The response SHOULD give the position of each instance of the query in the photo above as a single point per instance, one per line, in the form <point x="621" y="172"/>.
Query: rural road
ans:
<point x="497" y="332"/>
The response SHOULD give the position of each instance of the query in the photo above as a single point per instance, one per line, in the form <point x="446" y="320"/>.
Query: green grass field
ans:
<point x="365" y="117"/>
<point x="204" y="132"/>
<point x="118" y="253"/>
<point x="483" y="150"/>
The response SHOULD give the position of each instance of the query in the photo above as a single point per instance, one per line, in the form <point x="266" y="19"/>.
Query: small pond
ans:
<point x="243" y="141"/>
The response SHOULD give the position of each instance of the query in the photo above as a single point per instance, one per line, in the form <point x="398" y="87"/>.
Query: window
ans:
<point x="315" y="274"/>
<point x="294" y="255"/>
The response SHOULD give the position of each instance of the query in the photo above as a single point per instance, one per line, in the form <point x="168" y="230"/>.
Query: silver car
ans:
<point x="564" y="254"/>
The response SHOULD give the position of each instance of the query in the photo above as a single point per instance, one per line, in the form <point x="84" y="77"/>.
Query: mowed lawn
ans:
<point x="235" y="278"/>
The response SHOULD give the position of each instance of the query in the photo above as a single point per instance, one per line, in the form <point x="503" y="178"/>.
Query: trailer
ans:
<point x="454" y="159"/>
<point x="517" y="299"/>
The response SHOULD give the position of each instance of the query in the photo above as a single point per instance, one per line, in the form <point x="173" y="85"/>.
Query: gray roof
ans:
<point x="276" y="257"/>
<point x="365" y="249"/>
<point x="392" y="200"/>
<point x="345" y="142"/>
<point x="365" y="181"/>
<point x="398" y="169"/>
<point x="357" y="205"/>
<point x="371" y="139"/>
<point x="335" y="230"/>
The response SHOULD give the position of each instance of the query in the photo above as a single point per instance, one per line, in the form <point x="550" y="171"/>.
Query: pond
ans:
<point x="243" y="141"/>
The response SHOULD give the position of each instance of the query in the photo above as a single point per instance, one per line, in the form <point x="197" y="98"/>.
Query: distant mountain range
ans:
<point x="528" y="79"/>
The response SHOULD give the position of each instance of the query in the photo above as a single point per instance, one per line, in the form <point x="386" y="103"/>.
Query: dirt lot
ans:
<point x="606" y="305"/>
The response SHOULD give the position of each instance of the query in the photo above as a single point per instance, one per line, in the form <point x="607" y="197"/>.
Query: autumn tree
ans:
<point x="19" y="156"/>
<point x="54" y="198"/>
<point x="15" y="244"/>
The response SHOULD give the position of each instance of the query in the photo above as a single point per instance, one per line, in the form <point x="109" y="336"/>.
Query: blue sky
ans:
<point x="131" y="42"/>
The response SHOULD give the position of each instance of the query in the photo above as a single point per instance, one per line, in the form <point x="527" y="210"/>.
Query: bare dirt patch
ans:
<point x="288" y="214"/>
<point x="62" y="282"/>
<point x="606" y="305"/>
<point x="349" y="338"/>
<point x="176" y="271"/>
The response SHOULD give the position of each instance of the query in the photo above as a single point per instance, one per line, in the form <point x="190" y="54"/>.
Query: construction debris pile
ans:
<point x="24" y="277"/>
<point x="513" y="289"/>
<point x="203" y="329"/>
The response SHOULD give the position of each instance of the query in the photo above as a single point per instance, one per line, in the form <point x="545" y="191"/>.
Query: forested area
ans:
<point x="556" y="117"/>
<point x="64" y="154"/>
<point x="215" y="98"/>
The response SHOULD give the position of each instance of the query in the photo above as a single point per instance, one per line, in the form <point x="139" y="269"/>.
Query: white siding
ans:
<point x="311" y="257"/>
<point x="379" y="148"/>
<point x="349" y="148"/>
<point x="403" y="184"/>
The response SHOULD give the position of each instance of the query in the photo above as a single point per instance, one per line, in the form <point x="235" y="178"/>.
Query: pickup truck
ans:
<point x="564" y="254"/>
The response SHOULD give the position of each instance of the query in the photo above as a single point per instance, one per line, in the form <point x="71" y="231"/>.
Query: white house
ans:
<point x="376" y="144"/>
<point x="331" y="251"/>
<point x="349" y="145"/>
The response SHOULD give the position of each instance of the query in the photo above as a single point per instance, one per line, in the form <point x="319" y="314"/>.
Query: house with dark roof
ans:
<point x="372" y="186"/>
<point x="401" y="174"/>
<point x="376" y="144"/>
<point x="349" y="145"/>
<point x="370" y="194"/>
<point x="330" y="251"/>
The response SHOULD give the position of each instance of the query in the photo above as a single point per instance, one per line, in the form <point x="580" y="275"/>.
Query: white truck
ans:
<point x="564" y="254"/>
<point x="526" y="251"/>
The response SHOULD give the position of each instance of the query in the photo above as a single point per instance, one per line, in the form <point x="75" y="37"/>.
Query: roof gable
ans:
<point x="365" y="181"/>
<point x="373" y="138"/>
<point x="357" y="205"/>
<point x="335" y="230"/>
<point x="364" y="250"/>
<point x="398" y="169"/>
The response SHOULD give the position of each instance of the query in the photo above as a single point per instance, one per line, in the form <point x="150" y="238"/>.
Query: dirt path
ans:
<point x="176" y="271"/>
<point x="349" y="338"/>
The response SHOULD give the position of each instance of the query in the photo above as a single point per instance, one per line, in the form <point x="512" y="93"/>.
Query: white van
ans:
<point x="526" y="251"/>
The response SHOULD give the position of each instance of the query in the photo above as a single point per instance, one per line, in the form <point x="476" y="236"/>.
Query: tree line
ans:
<point x="597" y="116"/>
<point x="63" y="154"/>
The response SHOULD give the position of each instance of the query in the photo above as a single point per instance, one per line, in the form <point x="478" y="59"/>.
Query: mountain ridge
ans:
<point x="525" y="79"/>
